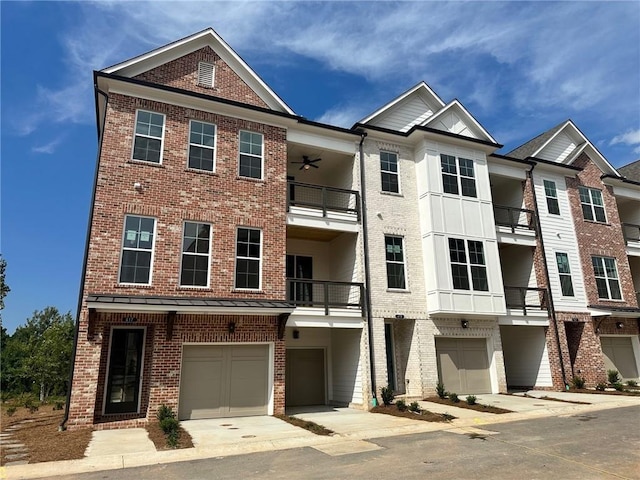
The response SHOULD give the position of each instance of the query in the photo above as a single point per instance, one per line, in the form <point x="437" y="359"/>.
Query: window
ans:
<point x="205" y="74"/>
<point x="202" y="145"/>
<point x="125" y="367"/>
<point x="147" y="145"/>
<point x="606" y="273"/>
<point x="137" y="250"/>
<point x="395" y="262"/>
<point x="592" y="204"/>
<point x="552" y="197"/>
<point x="564" y="270"/>
<point x="463" y="269"/>
<point x="389" y="172"/>
<point x="196" y="247"/>
<point x="458" y="175"/>
<point x="251" y="155"/>
<point x="248" y="258"/>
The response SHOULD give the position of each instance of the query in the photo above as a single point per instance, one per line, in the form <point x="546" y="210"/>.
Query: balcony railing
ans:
<point x="325" y="294"/>
<point x="515" y="218"/>
<point x="631" y="232"/>
<point x="326" y="199"/>
<point x="526" y="299"/>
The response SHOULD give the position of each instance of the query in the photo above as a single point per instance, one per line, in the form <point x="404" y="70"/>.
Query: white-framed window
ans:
<point x="250" y="154"/>
<point x="458" y="175"/>
<point x="196" y="255"/>
<point x="389" y="172"/>
<point x="202" y="146"/>
<point x="550" y="191"/>
<point x="149" y="137"/>
<point x="468" y="262"/>
<point x="592" y="204"/>
<point x="206" y="74"/>
<point x="394" y="254"/>
<point x="248" y="258"/>
<point x="606" y="273"/>
<point x="137" y="250"/>
<point x="564" y="272"/>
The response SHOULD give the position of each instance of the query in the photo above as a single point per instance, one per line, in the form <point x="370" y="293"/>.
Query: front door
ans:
<point x="125" y="366"/>
<point x="300" y="267"/>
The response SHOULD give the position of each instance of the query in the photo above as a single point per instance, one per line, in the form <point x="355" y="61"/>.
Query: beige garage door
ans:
<point x="618" y="355"/>
<point x="304" y="380"/>
<point x="463" y="365"/>
<point x="223" y="381"/>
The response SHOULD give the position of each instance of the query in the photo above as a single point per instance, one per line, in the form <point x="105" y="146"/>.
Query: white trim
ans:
<point x="388" y="172"/>
<point x="607" y="278"/>
<point x="240" y="153"/>
<point x="235" y="287"/>
<point x="202" y="74"/>
<point x="182" y="253"/>
<point x="404" y="263"/>
<point x="465" y="112"/>
<point x="153" y="249"/>
<point x="592" y="205"/>
<point x="547" y="197"/>
<point x="557" y="271"/>
<point x="214" y="148"/>
<point x="135" y="134"/>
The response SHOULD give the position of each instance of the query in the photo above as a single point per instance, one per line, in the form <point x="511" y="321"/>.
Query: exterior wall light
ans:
<point x="231" y="327"/>
<point x="464" y="323"/>
<point x="619" y="325"/>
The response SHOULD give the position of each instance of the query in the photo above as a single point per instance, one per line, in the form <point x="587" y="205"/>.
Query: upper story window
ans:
<point x="394" y="249"/>
<point x="564" y="271"/>
<point x="202" y="146"/>
<point x="389" y="172"/>
<point x="592" y="204"/>
<point x="551" y="193"/>
<point x="196" y="251"/>
<point x="248" y="258"/>
<point x="606" y="273"/>
<point x="458" y="175"/>
<point x="149" y="136"/>
<point x="250" y="155"/>
<point x="137" y="249"/>
<point x="206" y="75"/>
<point x="471" y="266"/>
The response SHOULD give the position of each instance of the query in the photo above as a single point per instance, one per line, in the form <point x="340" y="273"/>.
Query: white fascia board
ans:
<point x="323" y="140"/>
<point x="550" y="138"/>
<point x="455" y="104"/>
<point x="208" y="37"/>
<point x="559" y="168"/>
<point x="612" y="313"/>
<point x="459" y="140"/>
<point x="625" y="190"/>
<point x="133" y="307"/>
<point x="505" y="168"/>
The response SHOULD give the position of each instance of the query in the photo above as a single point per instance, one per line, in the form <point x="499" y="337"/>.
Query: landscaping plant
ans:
<point x="618" y="386"/>
<point x="169" y="424"/>
<point x="387" y="395"/>
<point x="613" y="376"/>
<point x="454" y="397"/>
<point x="632" y="383"/>
<point x="442" y="393"/>
<point x="471" y="399"/>
<point x="578" y="382"/>
<point x="401" y="405"/>
<point x="601" y="386"/>
<point x="414" y="407"/>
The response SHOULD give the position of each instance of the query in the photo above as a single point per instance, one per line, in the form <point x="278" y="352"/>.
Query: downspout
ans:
<point x="62" y="425"/>
<point x="367" y="273"/>
<point x="552" y="310"/>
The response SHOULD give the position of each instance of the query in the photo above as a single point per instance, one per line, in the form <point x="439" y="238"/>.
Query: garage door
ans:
<point x="223" y="381"/>
<point x="463" y="365"/>
<point x="618" y="355"/>
<point x="304" y="380"/>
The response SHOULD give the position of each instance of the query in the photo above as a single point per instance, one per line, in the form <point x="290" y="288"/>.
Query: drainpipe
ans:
<point x="552" y="310"/>
<point x="62" y="425"/>
<point x="367" y="273"/>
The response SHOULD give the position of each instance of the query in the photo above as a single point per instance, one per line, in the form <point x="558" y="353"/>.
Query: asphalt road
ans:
<point x="599" y="445"/>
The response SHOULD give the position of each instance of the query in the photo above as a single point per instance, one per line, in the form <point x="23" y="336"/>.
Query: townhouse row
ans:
<point x="242" y="259"/>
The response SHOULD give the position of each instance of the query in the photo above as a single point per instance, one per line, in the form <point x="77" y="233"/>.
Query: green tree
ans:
<point x="4" y="288"/>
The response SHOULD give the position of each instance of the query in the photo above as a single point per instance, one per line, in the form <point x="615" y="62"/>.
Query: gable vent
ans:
<point x="205" y="74"/>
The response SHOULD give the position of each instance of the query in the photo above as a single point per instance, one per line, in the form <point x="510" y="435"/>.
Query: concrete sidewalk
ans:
<point x="116" y="449"/>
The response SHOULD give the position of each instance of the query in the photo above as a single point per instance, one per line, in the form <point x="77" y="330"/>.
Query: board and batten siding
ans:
<point x="451" y="122"/>
<point x="525" y="356"/>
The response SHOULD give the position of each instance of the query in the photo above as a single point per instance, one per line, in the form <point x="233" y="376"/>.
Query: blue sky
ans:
<point x="520" y="68"/>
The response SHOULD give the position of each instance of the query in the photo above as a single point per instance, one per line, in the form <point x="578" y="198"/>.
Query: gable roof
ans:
<point x="455" y="105"/>
<point x="631" y="171"/>
<point x="529" y="148"/>
<point x="207" y="37"/>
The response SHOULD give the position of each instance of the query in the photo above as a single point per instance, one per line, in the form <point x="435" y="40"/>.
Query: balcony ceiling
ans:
<point x="305" y="233"/>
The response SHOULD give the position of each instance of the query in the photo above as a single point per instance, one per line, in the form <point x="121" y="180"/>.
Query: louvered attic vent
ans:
<point x="205" y="74"/>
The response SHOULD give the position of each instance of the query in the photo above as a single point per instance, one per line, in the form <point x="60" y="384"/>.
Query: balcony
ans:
<point x="527" y="300"/>
<point x="631" y="233"/>
<point x="328" y="296"/>
<point x="515" y="225"/>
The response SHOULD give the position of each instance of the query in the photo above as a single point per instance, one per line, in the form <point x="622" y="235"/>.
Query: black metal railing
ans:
<point x="526" y="299"/>
<point x="515" y="218"/>
<point x="631" y="232"/>
<point x="327" y="199"/>
<point x="325" y="294"/>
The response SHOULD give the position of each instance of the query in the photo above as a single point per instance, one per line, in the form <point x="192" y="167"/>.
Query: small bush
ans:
<point x="401" y="405"/>
<point x="577" y="382"/>
<point x="471" y="399"/>
<point x="632" y="383"/>
<point x="618" y="386"/>
<point x="614" y="376"/>
<point x="168" y="424"/>
<point x="58" y="406"/>
<point x="442" y="393"/>
<point x="387" y="395"/>
<point x="454" y="397"/>
<point x="165" y="411"/>
<point x="414" y="407"/>
<point x="11" y="410"/>
<point x="601" y="386"/>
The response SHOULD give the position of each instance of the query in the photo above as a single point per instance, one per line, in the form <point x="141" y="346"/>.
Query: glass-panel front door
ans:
<point x="300" y="267"/>
<point x="125" y="366"/>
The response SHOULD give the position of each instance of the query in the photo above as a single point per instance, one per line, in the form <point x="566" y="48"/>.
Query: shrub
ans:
<point x="58" y="406"/>
<point x="169" y="424"/>
<point x="402" y="406"/>
<point x="618" y="386"/>
<point x="577" y="382"/>
<point x="11" y="410"/>
<point x="601" y="386"/>
<point x="613" y="376"/>
<point x="165" y="411"/>
<point x="454" y="397"/>
<point x="414" y="407"/>
<point x="442" y="393"/>
<point x="632" y="383"/>
<point x="387" y="395"/>
<point x="471" y="399"/>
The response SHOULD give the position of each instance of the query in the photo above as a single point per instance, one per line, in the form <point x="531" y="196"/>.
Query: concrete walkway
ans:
<point x="115" y="449"/>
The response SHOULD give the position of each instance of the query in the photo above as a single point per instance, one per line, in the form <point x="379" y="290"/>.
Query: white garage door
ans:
<point x="526" y="360"/>
<point x="462" y="365"/>
<point x="618" y="355"/>
<point x="223" y="381"/>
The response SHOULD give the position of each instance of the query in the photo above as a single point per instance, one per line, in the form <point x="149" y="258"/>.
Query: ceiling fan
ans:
<point x="306" y="163"/>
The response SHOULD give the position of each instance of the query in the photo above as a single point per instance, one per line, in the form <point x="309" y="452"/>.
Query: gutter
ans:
<point x="552" y="310"/>
<point x="76" y="334"/>
<point x="367" y="272"/>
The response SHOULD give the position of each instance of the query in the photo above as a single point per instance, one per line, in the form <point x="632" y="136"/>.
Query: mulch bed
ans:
<point x="159" y="439"/>
<point x="462" y="404"/>
<point x="311" y="426"/>
<point x="558" y="400"/>
<point x="606" y="392"/>
<point x="423" y="415"/>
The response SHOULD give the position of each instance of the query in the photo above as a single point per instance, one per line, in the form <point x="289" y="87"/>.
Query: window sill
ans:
<point x="612" y="300"/>
<point x="248" y="290"/>
<point x="392" y="194"/>
<point x="398" y="290"/>
<point x="143" y="162"/>
<point x="596" y="222"/>
<point x="251" y="179"/>
<point x="204" y="172"/>
<point x="133" y="285"/>
<point x="193" y="288"/>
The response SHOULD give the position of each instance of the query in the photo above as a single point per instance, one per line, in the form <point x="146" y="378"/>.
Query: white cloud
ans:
<point x="48" y="148"/>
<point x="631" y="137"/>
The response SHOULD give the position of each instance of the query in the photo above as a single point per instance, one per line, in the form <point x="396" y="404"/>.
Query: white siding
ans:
<point x="559" y="148"/>
<point x="346" y="366"/>
<point x="343" y="264"/>
<point x="411" y="111"/>
<point x="517" y="266"/>
<point x="525" y="356"/>
<point x="451" y="122"/>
